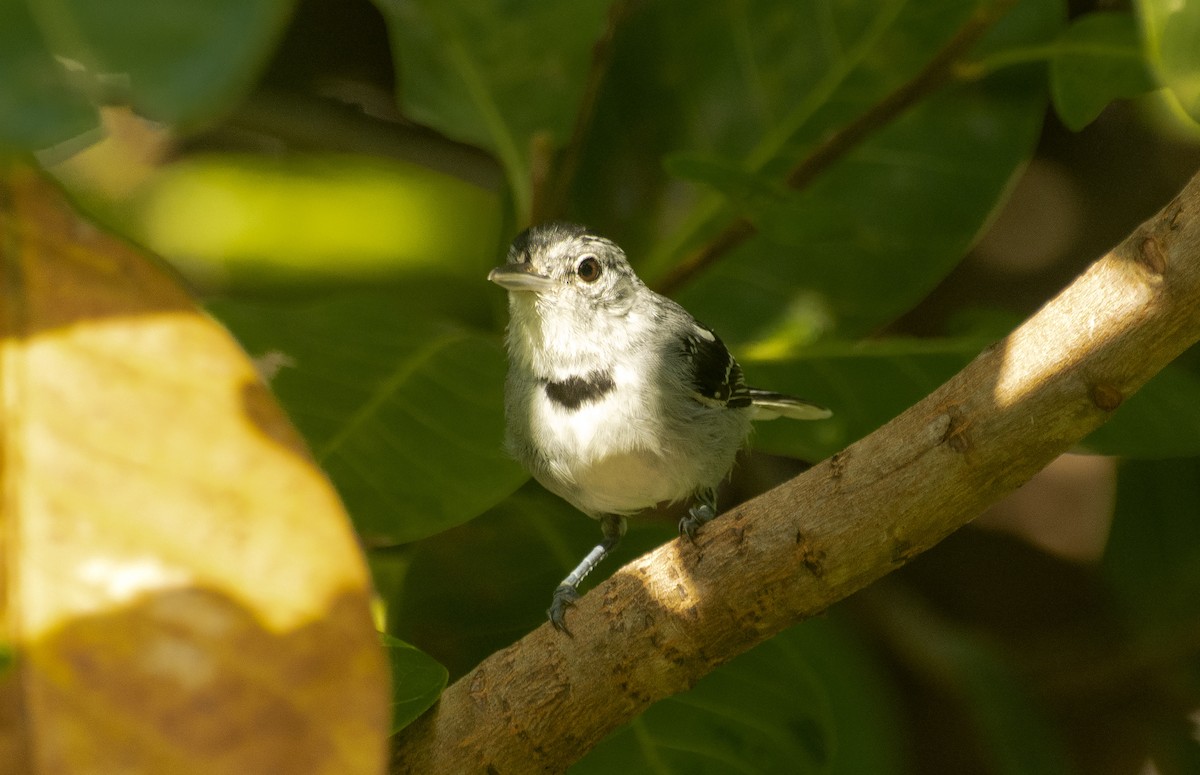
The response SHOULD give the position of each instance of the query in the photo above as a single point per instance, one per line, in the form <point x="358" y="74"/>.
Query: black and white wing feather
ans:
<point x="717" y="381"/>
<point x="716" y="375"/>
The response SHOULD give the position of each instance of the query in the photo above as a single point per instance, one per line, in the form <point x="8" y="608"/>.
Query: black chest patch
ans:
<point x="574" y="392"/>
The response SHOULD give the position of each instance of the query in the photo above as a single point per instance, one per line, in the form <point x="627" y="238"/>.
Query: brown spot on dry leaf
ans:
<point x="183" y="592"/>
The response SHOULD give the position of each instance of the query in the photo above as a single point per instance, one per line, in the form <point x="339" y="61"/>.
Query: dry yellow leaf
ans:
<point x="181" y="590"/>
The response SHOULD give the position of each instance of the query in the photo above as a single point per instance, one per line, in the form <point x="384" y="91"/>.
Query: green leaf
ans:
<point x="402" y="409"/>
<point x="1171" y="29"/>
<point x="1097" y="59"/>
<point x="186" y="62"/>
<point x="1019" y="736"/>
<point x="1015" y="730"/>
<point x="875" y="234"/>
<point x="494" y="74"/>
<point x="756" y="87"/>
<point x="1152" y="564"/>
<point x="417" y="681"/>
<point x="724" y="176"/>
<point x="38" y="106"/>
<point x="1153" y="555"/>
<point x="811" y="700"/>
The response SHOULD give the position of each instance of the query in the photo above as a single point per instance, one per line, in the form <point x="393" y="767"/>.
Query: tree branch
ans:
<point x="668" y="618"/>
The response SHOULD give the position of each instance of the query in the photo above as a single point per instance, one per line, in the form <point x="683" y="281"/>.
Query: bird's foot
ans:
<point x="564" y="597"/>
<point x="697" y="515"/>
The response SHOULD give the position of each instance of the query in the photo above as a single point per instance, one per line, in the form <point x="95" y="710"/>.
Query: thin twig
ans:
<point x="936" y="73"/>
<point x="549" y="198"/>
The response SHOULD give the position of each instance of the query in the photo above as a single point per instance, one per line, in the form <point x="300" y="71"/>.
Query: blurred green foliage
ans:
<point x="359" y="283"/>
<point x="811" y="700"/>
<point x="1170" y="29"/>
<point x="1098" y="59"/>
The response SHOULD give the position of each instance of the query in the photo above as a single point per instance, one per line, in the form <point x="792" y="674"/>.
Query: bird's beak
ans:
<point x="520" y="277"/>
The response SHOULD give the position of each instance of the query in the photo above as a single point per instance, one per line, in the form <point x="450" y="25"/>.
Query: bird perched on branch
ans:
<point x="617" y="399"/>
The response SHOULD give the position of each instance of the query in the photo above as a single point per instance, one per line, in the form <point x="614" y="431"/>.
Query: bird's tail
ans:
<point x="767" y="405"/>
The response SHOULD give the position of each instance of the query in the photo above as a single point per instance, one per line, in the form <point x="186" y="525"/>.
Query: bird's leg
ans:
<point x="704" y="510"/>
<point x="613" y="527"/>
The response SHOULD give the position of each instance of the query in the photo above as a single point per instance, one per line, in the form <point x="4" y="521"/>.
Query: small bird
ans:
<point x="617" y="399"/>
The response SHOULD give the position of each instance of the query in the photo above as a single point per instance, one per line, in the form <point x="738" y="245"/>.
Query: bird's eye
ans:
<point x="588" y="269"/>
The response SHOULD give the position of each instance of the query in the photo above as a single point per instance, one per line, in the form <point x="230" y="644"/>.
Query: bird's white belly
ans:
<point x="610" y="468"/>
<point x="624" y="483"/>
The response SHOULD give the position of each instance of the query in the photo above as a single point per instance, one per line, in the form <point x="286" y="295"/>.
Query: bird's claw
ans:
<point x="564" y="597"/>
<point x="697" y="515"/>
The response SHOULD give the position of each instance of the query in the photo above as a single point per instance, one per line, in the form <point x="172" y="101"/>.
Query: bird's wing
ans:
<point x="716" y="376"/>
<point x="717" y="381"/>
